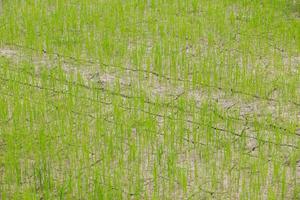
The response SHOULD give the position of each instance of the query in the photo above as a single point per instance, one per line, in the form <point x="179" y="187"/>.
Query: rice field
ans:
<point x="150" y="99"/>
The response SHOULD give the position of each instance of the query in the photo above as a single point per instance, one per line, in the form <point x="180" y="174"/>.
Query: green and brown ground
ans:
<point x="150" y="99"/>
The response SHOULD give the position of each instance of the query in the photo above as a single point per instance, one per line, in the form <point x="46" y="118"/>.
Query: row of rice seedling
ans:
<point x="149" y="99"/>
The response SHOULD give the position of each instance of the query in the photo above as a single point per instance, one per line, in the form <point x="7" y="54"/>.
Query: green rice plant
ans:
<point x="149" y="99"/>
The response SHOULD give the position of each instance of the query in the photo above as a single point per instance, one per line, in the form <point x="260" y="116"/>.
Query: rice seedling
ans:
<point x="149" y="99"/>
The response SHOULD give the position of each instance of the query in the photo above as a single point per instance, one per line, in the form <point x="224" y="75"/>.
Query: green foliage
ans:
<point x="156" y="99"/>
